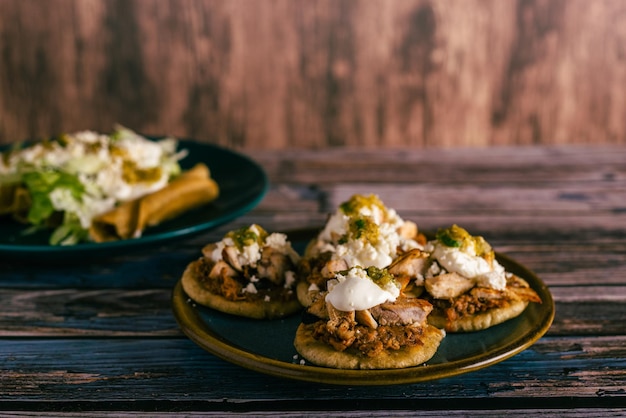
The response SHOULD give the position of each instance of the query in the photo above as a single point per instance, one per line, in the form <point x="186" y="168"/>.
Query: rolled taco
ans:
<point x="14" y="201"/>
<point x="190" y="190"/>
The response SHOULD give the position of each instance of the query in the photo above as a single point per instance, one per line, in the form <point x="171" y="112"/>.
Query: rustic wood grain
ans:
<point x="97" y="336"/>
<point x="312" y="74"/>
<point x="591" y="369"/>
<point x="192" y="409"/>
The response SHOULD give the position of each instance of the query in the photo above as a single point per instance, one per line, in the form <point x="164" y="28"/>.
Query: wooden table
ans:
<point x="99" y="336"/>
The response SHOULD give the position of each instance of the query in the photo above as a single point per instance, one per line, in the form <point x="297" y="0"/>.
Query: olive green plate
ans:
<point x="267" y="346"/>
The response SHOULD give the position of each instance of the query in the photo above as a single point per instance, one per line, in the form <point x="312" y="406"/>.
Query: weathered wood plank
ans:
<point x="191" y="410"/>
<point x="502" y="199"/>
<point x="497" y="165"/>
<point x="589" y="310"/>
<point x="97" y="312"/>
<point x="592" y="369"/>
<point x="99" y="334"/>
<point x="303" y="74"/>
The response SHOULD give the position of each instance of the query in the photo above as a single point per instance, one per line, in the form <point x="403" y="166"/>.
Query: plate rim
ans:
<point x="190" y="322"/>
<point x="159" y="237"/>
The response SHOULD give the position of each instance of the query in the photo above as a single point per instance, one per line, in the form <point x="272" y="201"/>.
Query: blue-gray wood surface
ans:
<point x="99" y="335"/>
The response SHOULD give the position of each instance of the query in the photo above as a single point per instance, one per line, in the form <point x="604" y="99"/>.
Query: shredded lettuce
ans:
<point x="76" y="177"/>
<point x="70" y="232"/>
<point x="40" y="184"/>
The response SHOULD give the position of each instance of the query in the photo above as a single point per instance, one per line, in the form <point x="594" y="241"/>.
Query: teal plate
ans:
<point x="243" y="184"/>
<point x="266" y="346"/>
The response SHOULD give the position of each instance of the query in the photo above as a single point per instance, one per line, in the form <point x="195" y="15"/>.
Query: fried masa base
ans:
<point x="256" y="309"/>
<point x="305" y="296"/>
<point x="323" y="354"/>
<point x="479" y="321"/>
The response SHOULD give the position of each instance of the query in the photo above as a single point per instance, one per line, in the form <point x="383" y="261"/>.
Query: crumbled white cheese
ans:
<point x="250" y="288"/>
<point x="240" y="256"/>
<point x="471" y="266"/>
<point x="250" y="254"/>
<point x="216" y="254"/>
<point x="144" y="154"/>
<point x="495" y="279"/>
<point x="433" y="270"/>
<point x="290" y="279"/>
<point x="280" y="243"/>
<point x="360" y="251"/>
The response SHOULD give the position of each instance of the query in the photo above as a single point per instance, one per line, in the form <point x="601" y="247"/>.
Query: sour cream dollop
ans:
<point x="356" y="291"/>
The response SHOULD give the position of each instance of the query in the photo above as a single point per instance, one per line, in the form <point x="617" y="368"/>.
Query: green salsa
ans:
<point x="363" y="228"/>
<point x="360" y="226"/>
<point x="133" y="174"/>
<point x="353" y="206"/>
<point x="457" y="237"/>
<point x="245" y="236"/>
<point x="381" y="277"/>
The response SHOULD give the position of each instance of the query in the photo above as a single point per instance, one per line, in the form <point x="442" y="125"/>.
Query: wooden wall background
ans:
<point x="278" y="74"/>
